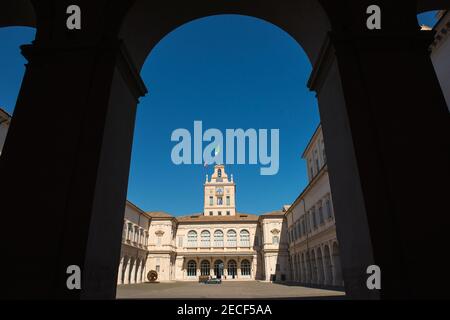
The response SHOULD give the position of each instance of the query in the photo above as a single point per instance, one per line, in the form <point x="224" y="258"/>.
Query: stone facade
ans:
<point x="217" y="242"/>
<point x="440" y="53"/>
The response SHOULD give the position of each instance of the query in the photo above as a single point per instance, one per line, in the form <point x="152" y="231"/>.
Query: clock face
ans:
<point x="219" y="190"/>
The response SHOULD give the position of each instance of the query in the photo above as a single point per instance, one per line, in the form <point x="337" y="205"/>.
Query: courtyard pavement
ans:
<point x="230" y="289"/>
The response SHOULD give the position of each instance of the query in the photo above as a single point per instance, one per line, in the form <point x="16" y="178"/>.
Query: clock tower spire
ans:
<point x="219" y="194"/>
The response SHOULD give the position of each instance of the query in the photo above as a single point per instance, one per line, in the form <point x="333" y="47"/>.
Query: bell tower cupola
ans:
<point x="219" y="194"/>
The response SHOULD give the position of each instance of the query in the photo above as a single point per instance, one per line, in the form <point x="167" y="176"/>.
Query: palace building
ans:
<point x="297" y="243"/>
<point x="220" y="241"/>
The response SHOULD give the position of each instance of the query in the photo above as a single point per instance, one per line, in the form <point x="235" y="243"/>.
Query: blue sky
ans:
<point x="228" y="71"/>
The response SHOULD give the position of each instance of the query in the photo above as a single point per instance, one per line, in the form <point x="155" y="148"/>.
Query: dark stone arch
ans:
<point x="148" y="22"/>
<point x="429" y="5"/>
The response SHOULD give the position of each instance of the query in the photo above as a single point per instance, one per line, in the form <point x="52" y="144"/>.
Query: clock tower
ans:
<point x="220" y="194"/>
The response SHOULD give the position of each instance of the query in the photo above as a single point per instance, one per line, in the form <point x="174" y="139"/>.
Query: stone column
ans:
<point x="225" y="267"/>
<point x="119" y="273"/>
<point x="198" y="260"/>
<point x="126" y="277"/>
<point x="254" y="267"/>
<point x="211" y="266"/>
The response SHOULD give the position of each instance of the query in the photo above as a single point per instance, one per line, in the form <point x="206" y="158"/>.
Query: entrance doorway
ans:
<point x="218" y="269"/>
<point x="232" y="269"/>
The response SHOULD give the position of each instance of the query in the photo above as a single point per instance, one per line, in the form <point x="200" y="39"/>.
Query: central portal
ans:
<point x="232" y="269"/>
<point x="218" y="269"/>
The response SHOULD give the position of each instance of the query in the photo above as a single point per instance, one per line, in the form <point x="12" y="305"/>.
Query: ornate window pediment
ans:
<point x="159" y="233"/>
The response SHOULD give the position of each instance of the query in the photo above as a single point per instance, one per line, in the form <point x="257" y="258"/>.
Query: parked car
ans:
<point x="213" y="281"/>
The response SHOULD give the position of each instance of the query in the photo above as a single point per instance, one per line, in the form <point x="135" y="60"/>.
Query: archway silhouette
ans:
<point x="365" y="86"/>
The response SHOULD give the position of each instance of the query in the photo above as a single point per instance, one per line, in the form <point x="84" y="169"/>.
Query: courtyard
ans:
<point x="230" y="289"/>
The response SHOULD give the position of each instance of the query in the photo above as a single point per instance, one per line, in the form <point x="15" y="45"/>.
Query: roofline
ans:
<point x="161" y="218"/>
<point x="311" y="139"/>
<point x="138" y="209"/>
<point x="135" y="206"/>
<point x="281" y="216"/>
<point x="445" y="13"/>
<point x="8" y="116"/>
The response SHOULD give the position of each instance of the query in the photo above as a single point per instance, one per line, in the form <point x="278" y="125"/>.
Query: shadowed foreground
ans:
<point x="235" y="290"/>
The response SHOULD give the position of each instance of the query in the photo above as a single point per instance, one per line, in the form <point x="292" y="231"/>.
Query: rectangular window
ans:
<point x="157" y="268"/>
<point x="220" y="213"/>
<point x="321" y="215"/>
<point x="328" y="208"/>
<point x="228" y="213"/>
<point x="275" y="240"/>
<point x="210" y="213"/>
<point x="316" y="159"/>
<point x="211" y="201"/>
<point x="308" y="222"/>
<point x="314" y="221"/>
<point x="324" y="156"/>
<point x="228" y="200"/>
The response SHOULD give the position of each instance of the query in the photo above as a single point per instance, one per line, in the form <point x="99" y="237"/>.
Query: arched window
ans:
<point x="204" y="268"/>
<point x="328" y="208"/>
<point x="205" y="238"/>
<point x="275" y="240"/>
<point x="232" y="269"/>
<point x="244" y="238"/>
<point x="245" y="268"/>
<point x="192" y="269"/>
<point x="129" y="231"/>
<point x="192" y="239"/>
<point x="231" y="238"/>
<point x="218" y="238"/>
